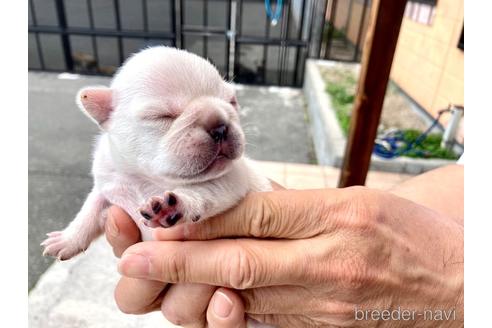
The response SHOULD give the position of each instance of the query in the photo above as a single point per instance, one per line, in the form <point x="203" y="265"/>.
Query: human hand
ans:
<point x="121" y="233"/>
<point x="209" y="304"/>
<point x="328" y="253"/>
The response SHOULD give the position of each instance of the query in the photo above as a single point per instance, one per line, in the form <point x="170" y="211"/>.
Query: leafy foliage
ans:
<point x="341" y="88"/>
<point x="342" y="98"/>
<point x="430" y="147"/>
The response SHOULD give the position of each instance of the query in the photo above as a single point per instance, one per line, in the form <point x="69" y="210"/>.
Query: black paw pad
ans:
<point x="145" y="215"/>
<point x="171" y="220"/>
<point x="171" y="201"/>
<point x="156" y="207"/>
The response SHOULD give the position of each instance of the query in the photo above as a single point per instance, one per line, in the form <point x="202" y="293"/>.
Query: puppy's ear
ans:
<point x="96" y="102"/>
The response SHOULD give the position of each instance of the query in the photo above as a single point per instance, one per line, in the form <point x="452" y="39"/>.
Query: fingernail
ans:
<point x="222" y="305"/>
<point x="112" y="227"/>
<point x="134" y="265"/>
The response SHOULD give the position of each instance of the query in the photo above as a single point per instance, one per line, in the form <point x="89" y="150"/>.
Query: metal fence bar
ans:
<point x="100" y="32"/>
<point x="174" y="5"/>
<point x="145" y="18"/>
<point x="283" y="36"/>
<point x="62" y="22"/>
<point x="33" y="13"/>
<point x="238" y="41"/>
<point x="323" y="21"/>
<point x="279" y="60"/>
<point x="309" y="47"/>
<point x="228" y="28"/>
<point x="36" y="35"/>
<point x="92" y="26"/>
<point x="273" y="41"/>
<point x="299" y="36"/>
<point x="310" y="29"/>
<point x="331" y="27"/>
<point x="116" y="6"/>
<point x="205" y="24"/>
<point x="206" y="29"/>
<point x="204" y="33"/>
<point x="286" y="49"/>
<point x="265" y="48"/>
<point x="181" y="23"/>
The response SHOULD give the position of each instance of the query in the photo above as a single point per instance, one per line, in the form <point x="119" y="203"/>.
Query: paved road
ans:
<point x="61" y="138"/>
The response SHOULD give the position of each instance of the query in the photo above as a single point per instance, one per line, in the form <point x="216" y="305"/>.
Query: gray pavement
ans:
<point x="60" y="142"/>
<point x="275" y="123"/>
<point x="61" y="138"/>
<point x="79" y="294"/>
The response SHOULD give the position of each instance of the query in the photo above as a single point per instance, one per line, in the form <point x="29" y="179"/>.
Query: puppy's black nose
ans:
<point x="219" y="133"/>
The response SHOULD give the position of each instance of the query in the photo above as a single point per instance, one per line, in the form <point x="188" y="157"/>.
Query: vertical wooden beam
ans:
<point x="377" y="57"/>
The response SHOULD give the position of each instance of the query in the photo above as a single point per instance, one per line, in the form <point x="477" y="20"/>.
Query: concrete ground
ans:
<point x="60" y="142"/>
<point x="275" y="123"/>
<point x="61" y="138"/>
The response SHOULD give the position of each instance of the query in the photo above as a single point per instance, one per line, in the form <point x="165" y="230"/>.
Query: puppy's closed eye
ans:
<point x="158" y="117"/>
<point x="157" y="114"/>
<point x="167" y="116"/>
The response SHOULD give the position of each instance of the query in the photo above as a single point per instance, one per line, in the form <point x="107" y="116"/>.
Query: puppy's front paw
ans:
<point x="162" y="211"/>
<point x="61" y="245"/>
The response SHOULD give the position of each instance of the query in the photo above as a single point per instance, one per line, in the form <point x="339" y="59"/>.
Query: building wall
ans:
<point x="348" y="18"/>
<point x="428" y="65"/>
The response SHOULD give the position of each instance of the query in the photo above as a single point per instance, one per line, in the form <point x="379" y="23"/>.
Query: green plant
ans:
<point x="336" y="34"/>
<point x="340" y="85"/>
<point x="342" y="95"/>
<point x="429" y="147"/>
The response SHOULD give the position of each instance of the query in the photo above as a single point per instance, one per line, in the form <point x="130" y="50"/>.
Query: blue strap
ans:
<point x="274" y="17"/>
<point x="387" y="147"/>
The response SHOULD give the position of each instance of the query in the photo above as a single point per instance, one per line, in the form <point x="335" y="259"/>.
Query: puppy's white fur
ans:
<point x="156" y="119"/>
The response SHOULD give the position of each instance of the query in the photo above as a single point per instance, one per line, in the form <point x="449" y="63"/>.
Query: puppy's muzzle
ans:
<point x="219" y="133"/>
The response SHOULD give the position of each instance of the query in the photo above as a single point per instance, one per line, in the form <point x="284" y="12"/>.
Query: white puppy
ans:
<point x="171" y="148"/>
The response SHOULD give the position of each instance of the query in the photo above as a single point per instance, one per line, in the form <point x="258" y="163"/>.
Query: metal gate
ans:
<point x="95" y="37"/>
<point x="344" y="30"/>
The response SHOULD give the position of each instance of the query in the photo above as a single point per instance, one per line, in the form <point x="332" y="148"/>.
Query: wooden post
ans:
<point x="377" y="57"/>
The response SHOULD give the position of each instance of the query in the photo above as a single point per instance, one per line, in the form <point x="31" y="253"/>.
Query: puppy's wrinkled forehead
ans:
<point x="166" y="73"/>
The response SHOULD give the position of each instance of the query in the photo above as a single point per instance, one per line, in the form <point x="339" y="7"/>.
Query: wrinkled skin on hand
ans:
<point x="303" y="259"/>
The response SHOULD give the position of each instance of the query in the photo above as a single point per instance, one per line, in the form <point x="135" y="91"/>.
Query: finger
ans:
<point x="280" y="214"/>
<point x="121" y="230"/>
<point x="186" y="304"/>
<point x="235" y="263"/>
<point x="138" y="296"/>
<point x="226" y="310"/>
<point x="278" y="300"/>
